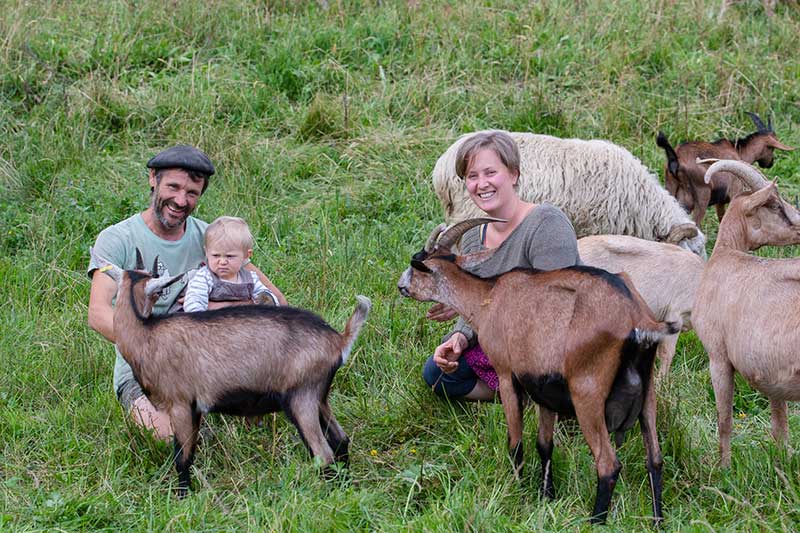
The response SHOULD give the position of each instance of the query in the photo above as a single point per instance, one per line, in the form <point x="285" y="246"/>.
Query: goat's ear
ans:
<point x="776" y="144"/>
<point x="156" y="285"/>
<point x="419" y="265"/>
<point x="139" y="260"/>
<point x="760" y="197"/>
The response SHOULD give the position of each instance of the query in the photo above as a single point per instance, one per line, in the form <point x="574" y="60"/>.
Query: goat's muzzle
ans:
<point x="404" y="283"/>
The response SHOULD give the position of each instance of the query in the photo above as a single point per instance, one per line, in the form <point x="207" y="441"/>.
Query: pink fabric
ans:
<point x="480" y="364"/>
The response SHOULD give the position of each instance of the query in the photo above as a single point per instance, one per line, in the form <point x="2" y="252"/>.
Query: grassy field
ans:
<point x="325" y="125"/>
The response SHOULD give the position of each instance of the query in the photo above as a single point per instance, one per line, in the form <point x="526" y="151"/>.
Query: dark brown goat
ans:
<point x="683" y="176"/>
<point x="579" y="341"/>
<point x="243" y="361"/>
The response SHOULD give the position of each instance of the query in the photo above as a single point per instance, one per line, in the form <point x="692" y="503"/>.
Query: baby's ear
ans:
<point x="249" y="253"/>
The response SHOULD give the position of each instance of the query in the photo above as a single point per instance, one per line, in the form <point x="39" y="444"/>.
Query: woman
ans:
<point x="535" y="236"/>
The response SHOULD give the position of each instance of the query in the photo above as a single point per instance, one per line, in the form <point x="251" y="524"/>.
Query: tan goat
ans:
<point x="244" y="361"/>
<point x="664" y="274"/>
<point x="578" y="341"/>
<point x="744" y="311"/>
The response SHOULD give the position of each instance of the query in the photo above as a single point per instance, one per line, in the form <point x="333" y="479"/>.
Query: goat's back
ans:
<point x="666" y="275"/>
<point x="253" y="348"/>
<point x="552" y="321"/>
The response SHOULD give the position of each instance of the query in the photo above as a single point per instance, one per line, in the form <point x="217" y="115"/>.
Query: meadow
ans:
<point x="324" y="124"/>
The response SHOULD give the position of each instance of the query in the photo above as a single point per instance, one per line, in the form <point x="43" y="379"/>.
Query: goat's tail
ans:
<point x="654" y="333"/>
<point x="672" y="157"/>
<point x="353" y="326"/>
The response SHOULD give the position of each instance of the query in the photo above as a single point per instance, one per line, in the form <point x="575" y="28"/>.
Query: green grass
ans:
<point x="325" y="126"/>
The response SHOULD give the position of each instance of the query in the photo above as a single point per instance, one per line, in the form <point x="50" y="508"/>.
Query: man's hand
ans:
<point x="447" y="354"/>
<point x="440" y="313"/>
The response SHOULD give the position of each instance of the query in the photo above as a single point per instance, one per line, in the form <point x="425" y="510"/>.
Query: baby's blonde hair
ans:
<point x="229" y="231"/>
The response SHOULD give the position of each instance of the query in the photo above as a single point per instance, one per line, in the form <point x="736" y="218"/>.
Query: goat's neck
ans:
<point x="748" y="150"/>
<point x="732" y="233"/>
<point x="129" y="331"/>
<point x="466" y="294"/>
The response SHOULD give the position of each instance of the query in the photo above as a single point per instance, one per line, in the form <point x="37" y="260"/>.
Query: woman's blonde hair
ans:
<point x="229" y="231"/>
<point x="499" y="142"/>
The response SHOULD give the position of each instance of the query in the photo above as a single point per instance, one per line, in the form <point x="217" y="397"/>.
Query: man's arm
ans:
<point x="101" y="311"/>
<point x="267" y="283"/>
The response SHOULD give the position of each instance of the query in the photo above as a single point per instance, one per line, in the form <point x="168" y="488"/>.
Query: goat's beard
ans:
<point x="159" y="204"/>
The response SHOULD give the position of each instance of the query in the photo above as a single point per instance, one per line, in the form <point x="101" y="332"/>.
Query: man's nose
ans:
<point x="180" y="199"/>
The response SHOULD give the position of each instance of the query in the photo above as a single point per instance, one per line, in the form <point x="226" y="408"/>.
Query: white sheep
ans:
<point x="745" y="306"/>
<point x="665" y="275"/>
<point x="600" y="186"/>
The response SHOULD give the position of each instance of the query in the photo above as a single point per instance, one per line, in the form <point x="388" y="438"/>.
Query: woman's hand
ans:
<point x="440" y="313"/>
<point x="446" y="354"/>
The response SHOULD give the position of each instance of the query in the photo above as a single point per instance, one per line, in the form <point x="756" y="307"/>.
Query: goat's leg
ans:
<point x="722" y="381"/>
<point x="302" y="409"/>
<point x="590" y="411"/>
<point x="334" y="434"/>
<point x="186" y="425"/>
<point x="665" y="354"/>
<point x="720" y="211"/>
<point x="701" y="205"/>
<point x="780" y="422"/>
<point x="544" y="445"/>
<point x="655" y="461"/>
<point x="512" y="405"/>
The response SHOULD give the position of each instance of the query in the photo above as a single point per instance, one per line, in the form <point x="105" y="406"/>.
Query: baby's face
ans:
<point x="225" y="262"/>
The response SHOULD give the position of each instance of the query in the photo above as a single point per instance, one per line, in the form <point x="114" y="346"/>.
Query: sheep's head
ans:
<point x="769" y="220"/>
<point x="422" y="281"/>
<point x="145" y="286"/>
<point x="765" y="142"/>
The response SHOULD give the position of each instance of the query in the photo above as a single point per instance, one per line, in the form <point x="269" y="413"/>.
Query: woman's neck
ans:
<point x="498" y="232"/>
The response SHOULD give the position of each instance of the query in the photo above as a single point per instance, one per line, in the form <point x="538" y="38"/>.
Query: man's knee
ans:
<point x="142" y="411"/>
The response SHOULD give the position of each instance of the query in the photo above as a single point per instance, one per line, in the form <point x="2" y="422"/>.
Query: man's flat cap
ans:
<point x="185" y="157"/>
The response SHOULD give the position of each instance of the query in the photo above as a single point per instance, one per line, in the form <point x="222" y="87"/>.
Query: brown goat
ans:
<point x="244" y="361"/>
<point x="684" y="177"/>
<point x="578" y="341"/>
<point x="753" y="330"/>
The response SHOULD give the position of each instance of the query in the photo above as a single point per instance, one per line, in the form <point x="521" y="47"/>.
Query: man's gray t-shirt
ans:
<point x="544" y="240"/>
<point x="117" y="244"/>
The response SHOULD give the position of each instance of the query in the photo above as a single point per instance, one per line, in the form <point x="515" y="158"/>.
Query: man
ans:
<point x="178" y="177"/>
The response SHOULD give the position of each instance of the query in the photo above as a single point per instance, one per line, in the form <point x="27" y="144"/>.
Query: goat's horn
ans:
<point x="139" y="260"/>
<point x="451" y="235"/>
<point x="154" y="272"/>
<point x="747" y="173"/>
<point x="708" y="161"/>
<point x="679" y="232"/>
<point x="769" y="123"/>
<point x="759" y="123"/>
<point x="156" y="285"/>
<point x="431" y="242"/>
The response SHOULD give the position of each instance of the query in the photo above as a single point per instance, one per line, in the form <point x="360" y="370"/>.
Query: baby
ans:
<point x="228" y="246"/>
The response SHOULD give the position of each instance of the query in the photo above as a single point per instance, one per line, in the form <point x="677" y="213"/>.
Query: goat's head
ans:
<point x="764" y="142"/>
<point x="768" y="218"/>
<point x="423" y="279"/>
<point x="145" y="286"/>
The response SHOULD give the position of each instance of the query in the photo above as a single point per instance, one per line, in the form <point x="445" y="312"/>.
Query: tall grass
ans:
<point x="324" y="125"/>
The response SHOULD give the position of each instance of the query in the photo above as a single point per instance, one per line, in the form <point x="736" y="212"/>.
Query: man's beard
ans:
<point x="159" y="205"/>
